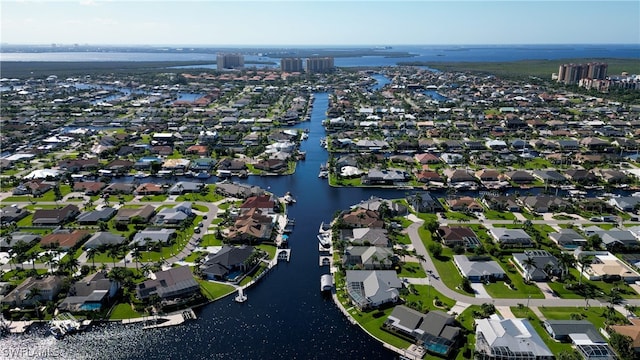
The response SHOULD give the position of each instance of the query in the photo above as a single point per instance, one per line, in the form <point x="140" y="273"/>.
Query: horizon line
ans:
<point x="310" y="45"/>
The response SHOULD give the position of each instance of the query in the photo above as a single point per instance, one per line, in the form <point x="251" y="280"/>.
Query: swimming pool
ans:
<point x="90" y="307"/>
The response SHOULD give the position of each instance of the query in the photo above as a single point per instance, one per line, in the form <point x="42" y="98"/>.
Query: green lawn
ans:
<point x="595" y="315"/>
<point x="212" y="290"/>
<point x="522" y="290"/>
<point x="412" y="270"/>
<point x="498" y="215"/>
<point x="154" y="198"/>
<point x="210" y="240"/>
<point x="372" y="321"/>
<point x="602" y="287"/>
<point x="194" y="256"/>
<point x="247" y="279"/>
<point x="269" y="249"/>
<point x="210" y="196"/>
<point x="123" y="311"/>
<point x="458" y="216"/>
<point x="424" y="296"/>
<point x="444" y="264"/>
<point x="554" y="346"/>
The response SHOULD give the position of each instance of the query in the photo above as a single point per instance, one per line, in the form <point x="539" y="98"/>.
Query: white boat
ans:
<point x="64" y="324"/>
<point x="288" y="198"/>
<point x="203" y="175"/>
<point x="140" y="175"/>
<point x="241" y="297"/>
<point x="323" y="174"/>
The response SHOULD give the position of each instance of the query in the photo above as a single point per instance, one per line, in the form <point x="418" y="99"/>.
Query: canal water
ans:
<point x="285" y="317"/>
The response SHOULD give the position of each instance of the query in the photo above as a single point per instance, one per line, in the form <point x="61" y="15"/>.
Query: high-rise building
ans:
<point x="230" y="61"/>
<point x="291" y="65"/>
<point x="573" y="73"/>
<point x="320" y="64"/>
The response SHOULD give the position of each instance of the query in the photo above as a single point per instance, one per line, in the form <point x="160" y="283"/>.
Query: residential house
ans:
<point x="103" y="238"/>
<point x="479" y="269"/>
<point x="568" y="238"/>
<point x="632" y="331"/>
<point x="372" y="288"/>
<point x="427" y="158"/>
<point x="584" y="336"/>
<point x="119" y="166"/>
<point x="149" y="189"/>
<point x="464" y="203"/>
<point x="611" y="176"/>
<point x="581" y="176"/>
<point x="368" y="257"/>
<point x="511" y="237"/>
<point x="458" y="236"/>
<point x="92" y="293"/>
<point x="519" y="177"/>
<point x="65" y="239"/>
<point x="184" y="187"/>
<point x="48" y="286"/>
<point x="55" y="216"/>
<point x="426" y="176"/>
<point x="488" y="175"/>
<point x="549" y="176"/>
<point x="140" y="215"/>
<point x="12" y="214"/>
<point x="177" y="282"/>
<point x="606" y="266"/>
<point x="90" y="188"/>
<point x="625" y="203"/>
<point x="95" y="216"/>
<point x="34" y="187"/>
<point x="545" y="203"/>
<point x="502" y="203"/>
<point x="366" y="236"/>
<point x="265" y="203"/>
<point x="175" y="215"/>
<point x="241" y="191"/>
<point x="498" y="339"/>
<point x="435" y="330"/>
<point x="147" y="236"/>
<point x="424" y="201"/>
<point x="119" y="188"/>
<point x="362" y="218"/>
<point x="385" y="176"/>
<point x="228" y="263"/>
<point x="544" y="267"/>
<point x="374" y="203"/>
<point x="10" y="241"/>
<point x="459" y="175"/>
<point x="253" y="224"/>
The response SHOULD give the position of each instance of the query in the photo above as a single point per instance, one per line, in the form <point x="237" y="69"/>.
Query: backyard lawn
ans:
<point x="412" y="270"/>
<point x="554" y="346"/>
<point x="123" y="311"/>
<point x="595" y="315"/>
<point x="424" y="295"/>
<point x="212" y="290"/>
<point x="444" y="264"/>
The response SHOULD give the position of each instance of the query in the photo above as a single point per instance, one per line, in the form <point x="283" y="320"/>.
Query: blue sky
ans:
<point x="319" y="22"/>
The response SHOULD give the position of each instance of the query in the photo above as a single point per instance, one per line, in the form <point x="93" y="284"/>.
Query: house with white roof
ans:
<point x="372" y="288"/>
<point x="498" y="338"/>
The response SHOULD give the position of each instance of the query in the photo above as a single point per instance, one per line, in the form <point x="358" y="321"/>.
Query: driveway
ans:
<point x="480" y="291"/>
<point x="546" y="290"/>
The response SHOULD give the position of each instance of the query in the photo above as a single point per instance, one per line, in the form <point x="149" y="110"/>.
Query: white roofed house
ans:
<point x="174" y="215"/>
<point x="144" y="237"/>
<point x="511" y="237"/>
<point x="372" y="288"/>
<point x="501" y="339"/>
<point x="368" y="257"/>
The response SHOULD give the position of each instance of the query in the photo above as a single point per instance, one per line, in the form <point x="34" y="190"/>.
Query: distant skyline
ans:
<point x="318" y="23"/>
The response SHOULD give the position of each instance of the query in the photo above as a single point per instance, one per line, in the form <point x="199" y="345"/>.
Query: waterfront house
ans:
<point x="424" y="201"/>
<point x="241" y="191"/>
<point x="177" y="282"/>
<point x="625" y="203"/>
<point x="48" y="286"/>
<point x="545" y="265"/>
<point x="252" y="224"/>
<point x="365" y="236"/>
<point x="228" y="263"/>
<point x="372" y="288"/>
<point x="55" y="216"/>
<point x="385" y="176"/>
<point x="498" y="338"/>
<point x="149" y="189"/>
<point x="545" y="203"/>
<point x="265" y="203"/>
<point x="183" y="187"/>
<point x="119" y="188"/>
<point x="91" y="293"/>
<point x="519" y="177"/>
<point x="511" y="237"/>
<point x="362" y="218"/>
<point x="581" y="176"/>
<point x="464" y="203"/>
<point x="502" y="203"/>
<point x="90" y="188"/>
<point x="479" y="269"/>
<point x="549" y="176"/>
<point x="374" y="203"/>
<point x="435" y="330"/>
<point x="368" y="257"/>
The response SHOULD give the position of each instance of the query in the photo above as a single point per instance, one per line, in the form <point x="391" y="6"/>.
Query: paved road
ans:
<point x="437" y="283"/>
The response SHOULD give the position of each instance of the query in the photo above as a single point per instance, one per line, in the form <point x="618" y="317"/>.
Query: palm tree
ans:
<point x="136" y="254"/>
<point x="585" y="263"/>
<point x="630" y="309"/>
<point x="113" y="252"/>
<point x="91" y="255"/>
<point x="528" y="263"/>
<point x="72" y="265"/>
<point x="34" y="294"/>
<point x="566" y="261"/>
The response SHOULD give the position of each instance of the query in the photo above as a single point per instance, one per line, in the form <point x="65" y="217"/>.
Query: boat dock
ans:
<point x="171" y="320"/>
<point x="18" y="327"/>
<point x="283" y="254"/>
